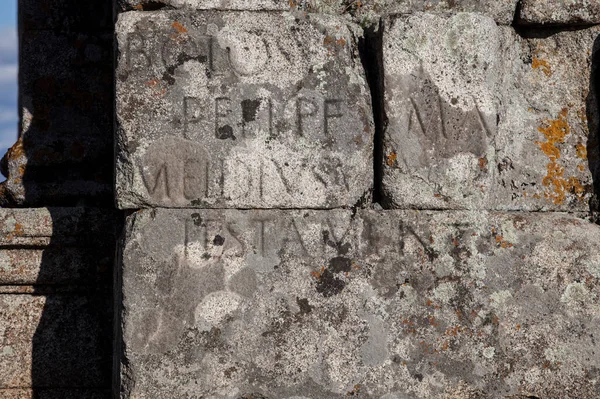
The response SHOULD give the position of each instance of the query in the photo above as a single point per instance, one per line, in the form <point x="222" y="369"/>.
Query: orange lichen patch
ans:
<point x="292" y="4"/>
<point x="19" y="231"/>
<point x="518" y="326"/>
<point x="354" y="391"/>
<point x="153" y="83"/>
<point x="555" y="132"/>
<point x="178" y="27"/>
<point x="581" y="167"/>
<point x="500" y="241"/>
<point x="391" y="159"/>
<point x="432" y="321"/>
<point x="538" y="63"/>
<point x="581" y="151"/>
<point x="138" y="7"/>
<point x="318" y="274"/>
<point x="483" y="162"/>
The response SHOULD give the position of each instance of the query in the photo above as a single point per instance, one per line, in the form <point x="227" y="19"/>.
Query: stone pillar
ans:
<point x="57" y="258"/>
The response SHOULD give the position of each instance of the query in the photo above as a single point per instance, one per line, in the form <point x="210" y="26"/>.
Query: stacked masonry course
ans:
<point x="321" y="199"/>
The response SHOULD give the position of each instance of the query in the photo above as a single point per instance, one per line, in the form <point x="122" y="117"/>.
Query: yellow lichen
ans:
<point x="538" y="63"/>
<point x="391" y="159"/>
<point x="555" y="131"/>
<point x="581" y="151"/>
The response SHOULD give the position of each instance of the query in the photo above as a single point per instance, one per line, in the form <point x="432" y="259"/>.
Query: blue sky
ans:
<point x="8" y="74"/>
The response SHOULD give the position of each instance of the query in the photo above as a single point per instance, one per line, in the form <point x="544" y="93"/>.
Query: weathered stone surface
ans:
<point x="441" y="80"/>
<point x="209" y="4"/>
<point x="241" y="109"/>
<point x="480" y="118"/>
<point x="64" y="155"/>
<point x="547" y="147"/>
<point x="54" y="341"/>
<point x="40" y="227"/>
<point x="388" y="304"/>
<point x="502" y="11"/>
<point x="560" y="12"/>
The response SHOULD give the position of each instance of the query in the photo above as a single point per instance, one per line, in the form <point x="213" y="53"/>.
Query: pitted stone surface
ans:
<point x="388" y="304"/>
<point x="441" y="80"/>
<point x="241" y="109"/>
<point x="210" y="4"/>
<point x="560" y="11"/>
<point x="547" y="146"/>
<point x="487" y="120"/>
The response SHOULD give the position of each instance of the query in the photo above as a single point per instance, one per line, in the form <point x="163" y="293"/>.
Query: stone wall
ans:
<point x="323" y="199"/>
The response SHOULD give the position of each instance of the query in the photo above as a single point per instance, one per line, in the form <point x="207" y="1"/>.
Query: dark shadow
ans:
<point x="64" y="158"/>
<point x="593" y="121"/>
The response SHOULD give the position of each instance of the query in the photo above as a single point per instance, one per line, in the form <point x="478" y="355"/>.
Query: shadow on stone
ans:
<point x="593" y="122"/>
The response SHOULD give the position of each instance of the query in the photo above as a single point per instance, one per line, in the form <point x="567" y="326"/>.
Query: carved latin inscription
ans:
<point x="176" y="170"/>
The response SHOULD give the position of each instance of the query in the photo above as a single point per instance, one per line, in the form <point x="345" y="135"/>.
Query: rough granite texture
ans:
<point x="379" y="304"/>
<point x="480" y="118"/>
<point x="240" y="109"/>
<point x="55" y="312"/>
<point x="208" y="4"/>
<point x="555" y="12"/>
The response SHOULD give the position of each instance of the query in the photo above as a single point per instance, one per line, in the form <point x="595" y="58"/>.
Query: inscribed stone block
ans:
<point x="241" y="109"/>
<point x="547" y="142"/>
<point x="441" y="80"/>
<point x="383" y="304"/>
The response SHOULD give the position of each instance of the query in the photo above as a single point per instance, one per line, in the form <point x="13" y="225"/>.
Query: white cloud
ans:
<point x="8" y="137"/>
<point x="8" y="41"/>
<point x="9" y="73"/>
<point x="8" y="116"/>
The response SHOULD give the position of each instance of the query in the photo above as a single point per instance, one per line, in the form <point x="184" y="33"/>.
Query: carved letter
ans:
<point x="328" y="113"/>
<point x="222" y="110"/>
<point x="194" y="179"/>
<point x="161" y="176"/>
<point x="304" y="108"/>
<point x="191" y="112"/>
<point x="136" y="45"/>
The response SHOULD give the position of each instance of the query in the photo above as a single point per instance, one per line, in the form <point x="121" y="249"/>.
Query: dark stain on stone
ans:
<point x="218" y="241"/>
<point x="419" y="377"/>
<point x="329" y="285"/>
<point x="305" y="307"/>
<point x="340" y="264"/>
<point x="229" y="371"/>
<point x="225" y="132"/>
<point x="169" y="75"/>
<point x="197" y="219"/>
<point x="342" y="249"/>
<point x="206" y="256"/>
<point x="249" y="109"/>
